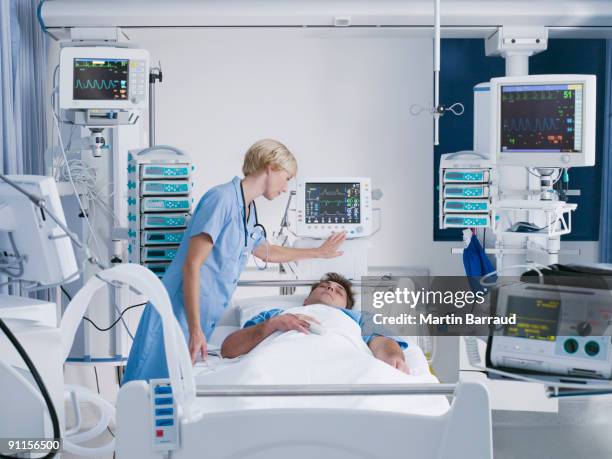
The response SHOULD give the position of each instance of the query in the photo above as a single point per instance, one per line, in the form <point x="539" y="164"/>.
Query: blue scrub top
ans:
<point x="220" y="214"/>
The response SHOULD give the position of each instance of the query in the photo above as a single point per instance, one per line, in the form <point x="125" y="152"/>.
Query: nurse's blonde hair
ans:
<point x="268" y="152"/>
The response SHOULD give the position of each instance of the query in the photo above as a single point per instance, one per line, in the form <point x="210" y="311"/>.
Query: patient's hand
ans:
<point x="288" y="322"/>
<point x="388" y="351"/>
<point x="398" y="363"/>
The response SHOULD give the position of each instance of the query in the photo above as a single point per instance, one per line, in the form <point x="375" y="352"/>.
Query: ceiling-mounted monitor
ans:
<point x="544" y="120"/>
<point x="99" y="77"/>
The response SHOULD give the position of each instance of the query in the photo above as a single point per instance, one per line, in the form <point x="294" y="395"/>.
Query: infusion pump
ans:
<point x="559" y="330"/>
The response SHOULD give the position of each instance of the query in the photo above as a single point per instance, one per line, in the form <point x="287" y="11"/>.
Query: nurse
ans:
<point x="221" y="234"/>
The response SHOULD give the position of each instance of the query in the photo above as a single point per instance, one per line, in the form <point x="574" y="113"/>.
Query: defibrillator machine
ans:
<point x="563" y="330"/>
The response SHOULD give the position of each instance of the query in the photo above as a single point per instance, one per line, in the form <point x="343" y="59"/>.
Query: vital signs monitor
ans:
<point x="334" y="204"/>
<point x="103" y="78"/>
<point x="544" y="120"/>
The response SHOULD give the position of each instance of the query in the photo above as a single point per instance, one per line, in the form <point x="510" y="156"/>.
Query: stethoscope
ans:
<point x="244" y="219"/>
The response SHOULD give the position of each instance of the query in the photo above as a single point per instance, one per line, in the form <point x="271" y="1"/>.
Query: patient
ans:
<point x="332" y="290"/>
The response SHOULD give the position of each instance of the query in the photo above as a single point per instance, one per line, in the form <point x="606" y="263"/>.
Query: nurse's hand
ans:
<point x="329" y="249"/>
<point x="197" y="344"/>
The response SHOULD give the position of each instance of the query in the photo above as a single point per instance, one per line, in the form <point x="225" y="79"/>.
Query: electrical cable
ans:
<point x="98" y="388"/>
<point x="97" y="382"/>
<point x="100" y="394"/>
<point x="533" y="266"/>
<point x="41" y="386"/>
<point x="76" y="193"/>
<point x="116" y="321"/>
<point x="111" y="325"/>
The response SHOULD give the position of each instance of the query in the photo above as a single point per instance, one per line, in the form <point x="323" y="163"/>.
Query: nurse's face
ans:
<point x="276" y="183"/>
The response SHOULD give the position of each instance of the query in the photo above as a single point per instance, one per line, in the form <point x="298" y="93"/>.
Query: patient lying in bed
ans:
<point x="278" y="347"/>
<point x="333" y="291"/>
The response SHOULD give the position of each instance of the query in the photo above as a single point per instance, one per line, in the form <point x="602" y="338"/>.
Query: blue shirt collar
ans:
<point x="239" y="202"/>
<point x="236" y="182"/>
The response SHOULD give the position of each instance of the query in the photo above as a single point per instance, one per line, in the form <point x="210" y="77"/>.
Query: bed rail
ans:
<point x="381" y="283"/>
<point x="318" y="390"/>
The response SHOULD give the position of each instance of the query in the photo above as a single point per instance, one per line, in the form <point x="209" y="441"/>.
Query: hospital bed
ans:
<point x="306" y="420"/>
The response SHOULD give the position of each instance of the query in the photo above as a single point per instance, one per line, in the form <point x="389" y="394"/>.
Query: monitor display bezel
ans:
<point x="538" y="158"/>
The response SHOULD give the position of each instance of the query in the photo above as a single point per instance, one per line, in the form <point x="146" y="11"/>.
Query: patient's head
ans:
<point x="333" y="290"/>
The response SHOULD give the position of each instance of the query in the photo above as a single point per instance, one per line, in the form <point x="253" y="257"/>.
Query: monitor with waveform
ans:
<point x="334" y="204"/>
<point x="544" y="120"/>
<point x="100" y="79"/>
<point x="103" y="85"/>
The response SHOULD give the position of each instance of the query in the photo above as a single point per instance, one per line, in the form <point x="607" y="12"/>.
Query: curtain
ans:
<point x="605" y="234"/>
<point x="23" y="95"/>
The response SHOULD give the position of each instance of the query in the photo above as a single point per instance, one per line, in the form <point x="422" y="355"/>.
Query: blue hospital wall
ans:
<point x="464" y="64"/>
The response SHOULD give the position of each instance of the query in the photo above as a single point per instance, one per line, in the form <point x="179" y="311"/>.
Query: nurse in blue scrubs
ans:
<point x="223" y="231"/>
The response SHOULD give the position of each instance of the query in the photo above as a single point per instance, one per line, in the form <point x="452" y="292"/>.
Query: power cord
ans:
<point x="116" y="321"/>
<point x="111" y="325"/>
<point x="98" y="389"/>
<point x="41" y="386"/>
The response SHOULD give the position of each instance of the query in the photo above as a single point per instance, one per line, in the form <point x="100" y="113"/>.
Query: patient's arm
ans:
<point x="243" y="341"/>
<point x="387" y="350"/>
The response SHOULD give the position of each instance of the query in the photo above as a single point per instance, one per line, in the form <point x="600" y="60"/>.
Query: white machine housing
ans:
<point x="313" y="226"/>
<point x="585" y="107"/>
<point x="136" y="82"/>
<point x="49" y="257"/>
<point x="482" y="120"/>
<point x="575" y="342"/>
<point x="35" y="324"/>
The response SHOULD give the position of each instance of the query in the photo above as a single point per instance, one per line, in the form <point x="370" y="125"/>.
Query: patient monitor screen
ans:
<point x="333" y="202"/>
<point x="541" y="118"/>
<point x="100" y="79"/>
<point x="536" y="318"/>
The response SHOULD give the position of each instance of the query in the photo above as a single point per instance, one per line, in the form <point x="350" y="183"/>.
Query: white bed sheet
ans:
<point x="338" y="357"/>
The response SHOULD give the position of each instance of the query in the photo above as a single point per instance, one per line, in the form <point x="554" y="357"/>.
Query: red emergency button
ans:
<point x="159" y="433"/>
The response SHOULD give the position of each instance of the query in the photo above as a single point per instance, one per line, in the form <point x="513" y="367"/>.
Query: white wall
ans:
<point x="339" y="99"/>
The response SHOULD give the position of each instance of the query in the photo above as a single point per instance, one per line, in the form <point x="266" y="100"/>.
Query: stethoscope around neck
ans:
<point x="245" y="221"/>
